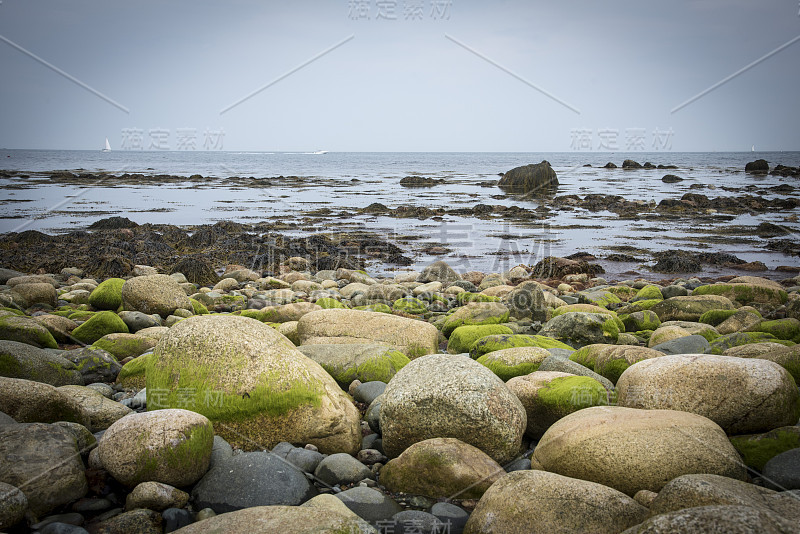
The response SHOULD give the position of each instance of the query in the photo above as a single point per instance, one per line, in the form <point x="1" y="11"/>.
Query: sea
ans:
<point x="344" y="182"/>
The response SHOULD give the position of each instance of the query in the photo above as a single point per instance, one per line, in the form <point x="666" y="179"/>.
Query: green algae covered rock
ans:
<point x="723" y="343"/>
<point x="581" y="308"/>
<point x="550" y="395"/>
<point x="786" y="329"/>
<point x="365" y="362"/>
<point x="579" y="329"/>
<point x="25" y="330"/>
<point x="168" y="446"/>
<point x="107" y="295"/>
<point x="132" y="375"/>
<point x="246" y="376"/>
<point x="467" y="297"/>
<point x="757" y="449"/>
<point x="639" y="305"/>
<point x="509" y="363"/>
<point x="20" y="360"/>
<point x="640" y="320"/>
<point x="505" y="341"/>
<point x="587" y="355"/>
<point x="649" y="292"/>
<point x="327" y="303"/>
<point x="410" y="305"/>
<point x="99" y="325"/>
<point x="600" y="297"/>
<point x="27" y="401"/>
<point x="462" y="338"/>
<point x="612" y="362"/>
<point x="198" y="308"/>
<point x="379" y="308"/>
<point x="258" y="315"/>
<point x="716" y="317"/>
<point x="477" y="313"/>
<point x="746" y="294"/>
<point x="690" y="308"/>
<point x="122" y="346"/>
<point x="453" y="469"/>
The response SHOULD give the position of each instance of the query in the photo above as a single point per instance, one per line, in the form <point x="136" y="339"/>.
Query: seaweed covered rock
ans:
<point x="168" y="446"/>
<point x="453" y="470"/>
<point x="518" y="361"/>
<point x="197" y="270"/>
<point x="578" y="329"/>
<point x="475" y="314"/>
<point x="25" y="330"/>
<point x="630" y="449"/>
<point x="741" y="395"/>
<point x="462" y="338"/>
<point x="612" y="361"/>
<point x="504" y="341"/>
<point x="441" y="396"/>
<point x="20" y="360"/>
<point x="133" y="374"/>
<point x="757" y="449"/>
<point x="99" y="325"/>
<point x="123" y="345"/>
<point x="737" y="339"/>
<point x="413" y="338"/>
<point x="254" y="382"/>
<point x="690" y="308"/>
<point x="355" y="361"/>
<point x="530" y="179"/>
<point x="158" y="293"/>
<point x="746" y="294"/>
<point x="107" y="295"/>
<point x="547" y="396"/>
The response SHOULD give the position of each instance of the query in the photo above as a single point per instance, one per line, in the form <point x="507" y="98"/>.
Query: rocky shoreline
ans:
<point x="194" y="394"/>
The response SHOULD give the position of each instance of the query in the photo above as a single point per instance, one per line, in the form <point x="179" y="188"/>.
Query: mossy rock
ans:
<point x="510" y="363"/>
<point x="723" y="343"/>
<point x="745" y="294"/>
<point x="649" y="292"/>
<point x="122" y="346"/>
<point x="602" y="297"/>
<point x="133" y="374"/>
<point x="327" y="303"/>
<point x="99" y="325"/>
<point x="757" y="449"/>
<point x="15" y="311"/>
<point x="786" y="329"/>
<point x="380" y="308"/>
<point x="364" y="362"/>
<point x="581" y="308"/>
<point x="198" y="308"/>
<point x="622" y="291"/>
<point x="587" y="355"/>
<point x="463" y="337"/>
<point x="466" y="297"/>
<point x="716" y="317"/>
<point x="21" y="360"/>
<point x="639" y="305"/>
<point x="578" y="329"/>
<point x="25" y="330"/>
<point x="81" y="315"/>
<point x="258" y="315"/>
<point x="477" y="313"/>
<point x="612" y="362"/>
<point x="410" y="305"/>
<point x="641" y="320"/>
<point x="495" y="342"/>
<point x="107" y="295"/>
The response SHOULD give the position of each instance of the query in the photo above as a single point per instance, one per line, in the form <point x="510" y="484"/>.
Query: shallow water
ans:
<point x="349" y="181"/>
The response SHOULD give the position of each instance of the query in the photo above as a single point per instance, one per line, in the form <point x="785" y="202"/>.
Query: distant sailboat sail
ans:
<point x="107" y="148"/>
<point x="753" y="148"/>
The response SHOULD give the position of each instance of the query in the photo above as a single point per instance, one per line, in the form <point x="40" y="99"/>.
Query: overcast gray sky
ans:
<point x="399" y="83"/>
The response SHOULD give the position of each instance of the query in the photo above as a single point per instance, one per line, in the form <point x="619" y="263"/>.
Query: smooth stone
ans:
<point x="369" y="391"/>
<point x="13" y="505"/>
<point x="156" y="496"/>
<point x="341" y="469"/>
<point x="369" y="504"/>
<point x="305" y="459"/>
<point x="452" y="515"/>
<point x="782" y="472"/>
<point x="175" y="518"/>
<point x="693" y="344"/>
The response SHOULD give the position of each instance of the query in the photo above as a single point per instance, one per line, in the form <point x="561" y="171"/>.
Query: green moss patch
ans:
<point x="568" y="394"/>
<point x="380" y="308"/>
<point x="99" y="325"/>
<point x="587" y="355"/>
<point x="495" y="342"/>
<point x="716" y="317"/>
<point x="328" y="303"/>
<point x="466" y="297"/>
<point x="107" y="295"/>
<point x="745" y="293"/>
<point x="198" y="308"/>
<point x="786" y="329"/>
<point x="506" y="370"/>
<point x="757" y="449"/>
<point x="723" y="343"/>
<point x="122" y="346"/>
<point x="649" y="292"/>
<point x="410" y="305"/>
<point x="183" y="456"/>
<point x="641" y="320"/>
<point x="132" y="374"/>
<point x="463" y="337"/>
<point x="26" y="330"/>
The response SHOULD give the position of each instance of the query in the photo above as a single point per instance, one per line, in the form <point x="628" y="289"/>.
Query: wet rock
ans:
<point x="759" y="166"/>
<point x="534" y="178"/>
<point x="20" y="360"/>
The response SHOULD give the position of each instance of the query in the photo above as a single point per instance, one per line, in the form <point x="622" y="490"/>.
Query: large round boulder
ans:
<point x="579" y="329"/>
<point x="168" y="446"/>
<point x="253" y="383"/>
<point x="690" y="308"/>
<point x="630" y="450"/>
<point x="34" y="402"/>
<point x="451" y="396"/>
<point x="475" y="314"/>
<point x="157" y="293"/>
<point x="412" y="337"/>
<point x="530" y="179"/>
<point x="742" y="395"/>
<point x="20" y="360"/>
<point x="537" y="501"/>
<point x="366" y="362"/>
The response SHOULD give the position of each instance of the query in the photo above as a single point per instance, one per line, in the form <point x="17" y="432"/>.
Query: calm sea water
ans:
<point x="348" y="181"/>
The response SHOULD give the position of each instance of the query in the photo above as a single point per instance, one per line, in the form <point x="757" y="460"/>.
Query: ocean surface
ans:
<point x="345" y="182"/>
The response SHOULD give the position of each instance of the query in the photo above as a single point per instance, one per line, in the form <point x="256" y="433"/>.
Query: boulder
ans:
<point x="357" y="361"/>
<point x="739" y="320"/>
<point x="519" y="361"/>
<point x="252" y="479"/>
<point x="693" y="344"/>
<point x="547" y="396"/>
<point x="99" y="325"/>
<point x="438" y="271"/>
<point x="168" y="446"/>
<point x="782" y="471"/>
<point x="530" y="179"/>
<point x="369" y="504"/>
<point x="95" y="365"/>
<point x="741" y="395"/>
<point x="666" y="333"/>
<point x="107" y="295"/>
<point x="462" y="338"/>
<point x="26" y="330"/>
<point x="537" y="501"/>
<point x="26" y="295"/>
<point x="579" y="329"/>
<point x="728" y="519"/>
<point x="563" y="364"/>
<point x="453" y="470"/>
<point x="156" y="496"/>
<point x="33" y="402"/>
<point x="630" y="450"/>
<point x="123" y="345"/>
<point x="409" y="336"/>
<point x="753" y="294"/>
<point x="476" y="313"/>
<point x="252" y="383"/>
<point x="640" y="320"/>
<point x="102" y="412"/>
<point x="341" y="469"/>
<point x="441" y="396"/>
<point x="285" y="519"/>
<point x="60" y="327"/>
<point x="759" y="166"/>
<point x="690" y="308"/>
<point x="527" y="300"/>
<point x="20" y="360"/>
<point x="13" y="505"/>
<point x="158" y="293"/>
<point x="496" y="342"/>
<point x="44" y="462"/>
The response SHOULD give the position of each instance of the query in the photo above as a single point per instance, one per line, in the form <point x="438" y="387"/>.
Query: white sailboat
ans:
<point x="107" y="148"/>
<point x="753" y="148"/>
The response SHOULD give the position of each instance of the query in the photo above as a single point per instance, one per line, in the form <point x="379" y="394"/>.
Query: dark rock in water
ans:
<point x="782" y="170"/>
<point x="630" y="164"/>
<point x="610" y="165"/>
<point x="671" y="179"/>
<point x="768" y="229"/>
<point x="759" y="166"/>
<point x="375" y="207"/>
<point x="581" y="256"/>
<point x="676" y="261"/>
<point x="197" y="270"/>
<point x="554" y="267"/>
<point x="420" y="181"/>
<point x="539" y="177"/>
<point x="667" y="167"/>
<point x="113" y="223"/>
<point x="648" y="165"/>
<point x="623" y="258"/>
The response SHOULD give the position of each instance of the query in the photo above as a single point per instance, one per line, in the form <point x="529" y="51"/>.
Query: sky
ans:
<point x="400" y="75"/>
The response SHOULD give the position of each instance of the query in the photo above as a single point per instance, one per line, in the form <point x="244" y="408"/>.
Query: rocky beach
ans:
<point x="311" y="371"/>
